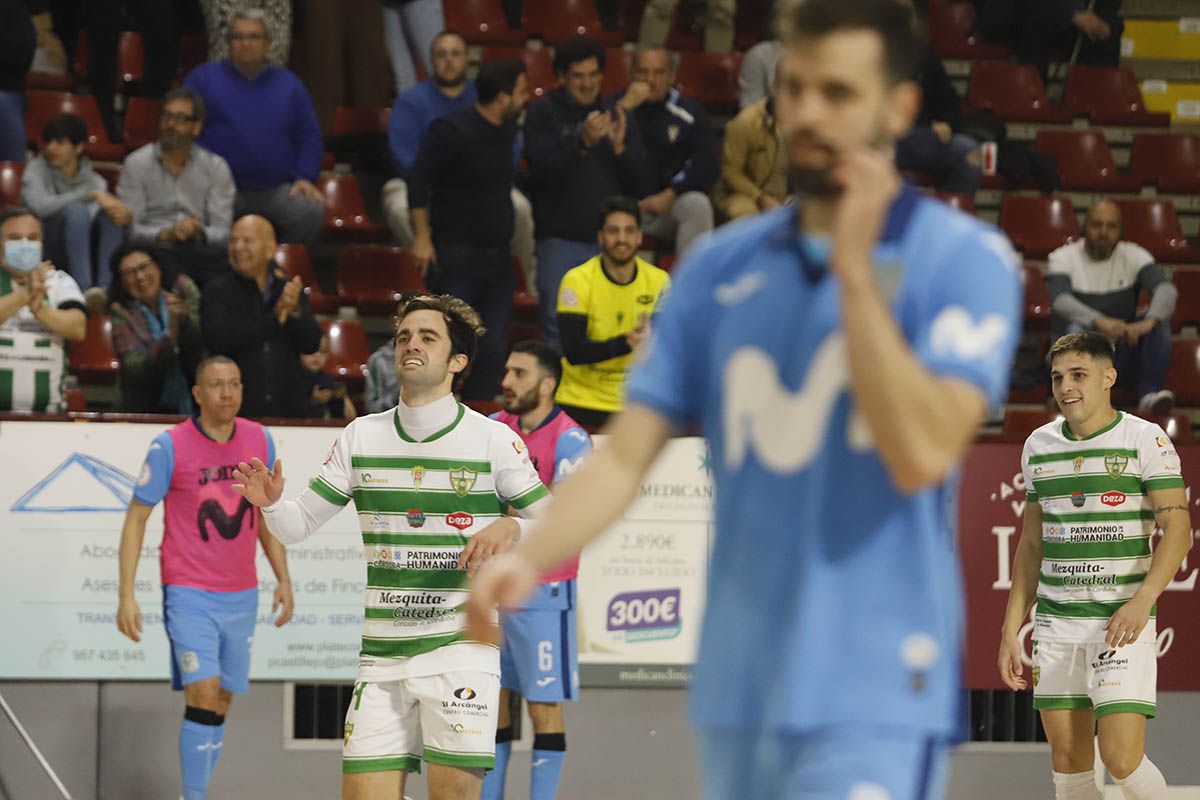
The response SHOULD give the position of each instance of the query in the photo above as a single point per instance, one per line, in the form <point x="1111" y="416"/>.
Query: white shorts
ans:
<point x="1093" y="675"/>
<point x="442" y="719"/>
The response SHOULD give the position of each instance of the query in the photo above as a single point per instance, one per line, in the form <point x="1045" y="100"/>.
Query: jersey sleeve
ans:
<point x="574" y="294"/>
<point x="1161" y="468"/>
<point x="569" y="451"/>
<point x="1030" y="491"/>
<point x="333" y="484"/>
<point x="63" y="292"/>
<point x="971" y="319"/>
<point x="155" y="478"/>
<point x="516" y="479"/>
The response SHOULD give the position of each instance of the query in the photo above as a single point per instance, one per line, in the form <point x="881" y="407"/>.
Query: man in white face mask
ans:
<point x="40" y="309"/>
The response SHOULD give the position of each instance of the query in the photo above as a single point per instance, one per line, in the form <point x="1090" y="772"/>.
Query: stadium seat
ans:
<point x="951" y="31"/>
<point x="751" y="22"/>
<point x="482" y="22"/>
<point x="345" y="214"/>
<point x="1085" y="162"/>
<point x="963" y="202"/>
<point x="559" y="20"/>
<point x="1169" y="161"/>
<point x="1183" y="376"/>
<point x="1187" y="307"/>
<point x="1024" y="421"/>
<point x="348" y="352"/>
<point x="141" y="125"/>
<point x="293" y="259"/>
<point x="93" y="360"/>
<point x="1109" y="96"/>
<point x="131" y="57"/>
<point x="111" y="174"/>
<point x="666" y="262"/>
<point x="539" y="68"/>
<point x="1037" y="298"/>
<point x="42" y="106"/>
<point x="485" y="407"/>
<point x="618" y="66"/>
<point x="1177" y="425"/>
<point x="711" y="78"/>
<point x="1155" y="226"/>
<point x="525" y="307"/>
<point x="1014" y="92"/>
<point x="76" y="401"/>
<point x="1036" y="225"/>
<point x="374" y="278"/>
<point x="47" y="82"/>
<point x="10" y="183"/>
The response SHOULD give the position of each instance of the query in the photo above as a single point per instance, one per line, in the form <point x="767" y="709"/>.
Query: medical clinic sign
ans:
<point x="991" y="505"/>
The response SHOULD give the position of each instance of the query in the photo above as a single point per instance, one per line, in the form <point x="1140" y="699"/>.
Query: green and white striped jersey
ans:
<point x="32" y="359"/>
<point x="1097" y="520"/>
<point x="418" y="503"/>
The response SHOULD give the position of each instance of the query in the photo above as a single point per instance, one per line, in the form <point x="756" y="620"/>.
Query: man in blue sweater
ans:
<point x="415" y="110"/>
<point x="261" y="120"/>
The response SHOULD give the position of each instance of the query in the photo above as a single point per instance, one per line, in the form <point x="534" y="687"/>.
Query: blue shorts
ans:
<point x="210" y="635"/>
<point x="539" y="658"/>
<point x="838" y="763"/>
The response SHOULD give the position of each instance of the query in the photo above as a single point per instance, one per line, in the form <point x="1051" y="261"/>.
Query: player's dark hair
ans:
<point x="496" y="78"/>
<point x="618" y="204"/>
<point x="65" y="126"/>
<point x="549" y="359"/>
<point x="190" y="96"/>
<point x="574" y="50"/>
<point x="1088" y="343"/>
<point x="893" y="20"/>
<point x="209" y="361"/>
<point x="462" y="323"/>
<point x="167" y="269"/>
<point x="13" y="212"/>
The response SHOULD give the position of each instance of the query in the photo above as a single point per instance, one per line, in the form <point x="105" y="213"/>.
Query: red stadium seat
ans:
<point x="711" y="78"/>
<point x="1155" y="226"/>
<point x="559" y="20"/>
<point x="482" y="22"/>
<point x="666" y="262"/>
<point x="1177" y="425"/>
<point x="951" y="30"/>
<point x="76" y="401"/>
<point x="525" y="307"/>
<point x="93" y="360"/>
<point x="1084" y="161"/>
<point x="348" y="352"/>
<point x="1024" y="421"/>
<point x="1169" y="161"/>
<point x="539" y="66"/>
<point x="1187" y="307"/>
<point x="485" y="407"/>
<point x="42" y="106"/>
<point x="131" y="57"/>
<point x="345" y="214"/>
<point x="141" y="121"/>
<point x="963" y="202"/>
<point x="751" y="22"/>
<point x="1109" y="96"/>
<point x="47" y="82"/>
<point x="618" y="67"/>
<point x="1183" y="376"/>
<point x="1014" y="92"/>
<point x="293" y="259"/>
<point x="1036" y="225"/>
<point x="374" y="278"/>
<point x="111" y="174"/>
<point x="10" y="183"/>
<point x="1037" y="298"/>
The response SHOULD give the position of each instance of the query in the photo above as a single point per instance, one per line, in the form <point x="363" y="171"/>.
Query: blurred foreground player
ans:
<point x="210" y="587"/>
<point x="839" y="357"/>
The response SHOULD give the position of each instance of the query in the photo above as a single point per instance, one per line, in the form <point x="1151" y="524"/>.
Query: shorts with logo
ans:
<point x="448" y="718"/>
<point x="210" y="634"/>
<point x="1068" y="675"/>
<point x="539" y="655"/>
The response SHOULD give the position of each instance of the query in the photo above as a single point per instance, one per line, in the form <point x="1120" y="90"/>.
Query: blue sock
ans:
<point x="493" y="781"/>
<point x="200" y="739"/>
<point x="549" y="752"/>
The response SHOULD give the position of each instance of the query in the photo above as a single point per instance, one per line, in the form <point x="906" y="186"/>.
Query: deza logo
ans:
<point x="1112" y="498"/>
<point x="645" y="616"/>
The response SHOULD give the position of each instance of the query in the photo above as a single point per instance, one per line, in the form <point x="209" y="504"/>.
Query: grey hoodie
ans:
<point x="45" y="190"/>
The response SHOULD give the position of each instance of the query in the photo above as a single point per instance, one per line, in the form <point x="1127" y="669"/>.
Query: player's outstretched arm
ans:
<point x="582" y="508"/>
<point x="1021" y="597"/>
<point x="133" y="532"/>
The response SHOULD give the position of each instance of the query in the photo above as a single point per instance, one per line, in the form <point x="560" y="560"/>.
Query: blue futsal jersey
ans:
<point x="832" y="597"/>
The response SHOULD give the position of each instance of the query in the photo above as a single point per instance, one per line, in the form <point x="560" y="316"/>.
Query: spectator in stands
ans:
<point x="604" y="311"/>
<point x="718" y="24"/>
<point x="325" y="397"/>
<point x="180" y="194"/>
<point x="1040" y="31"/>
<point x="261" y="320"/>
<point x="580" y="149"/>
<point x="260" y="119"/>
<point x="932" y="146"/>
<point x="462" y="213"/>
<point x="418" y="20"/>
<point x="277" y="14"/>
<point x="18" y="41"/>
<point x="757" y="73"/>
<point x="346" y="59"/>
<point x="383" y="387"/>
<point x="1094" y="284"/>
<point x="41" y="308"/>
<point x="447" y="90"/>
<point x="83" y="220"/>
<point x="155" y="331"/>
<point x="680" y="146"/>
<point x="754" y="164"/>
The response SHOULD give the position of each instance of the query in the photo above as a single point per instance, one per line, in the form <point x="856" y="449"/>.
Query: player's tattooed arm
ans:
<point x="1167" y="509"/>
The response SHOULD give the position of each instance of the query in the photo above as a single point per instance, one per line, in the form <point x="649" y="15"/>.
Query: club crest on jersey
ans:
<point x="415" y="517"/>
<point x="418" y="475"/>
<point x="462" y="480"/>
<point x="1078" y="498"/>
<point x="1115" y="464"/>
<point x="1078" y="464"/>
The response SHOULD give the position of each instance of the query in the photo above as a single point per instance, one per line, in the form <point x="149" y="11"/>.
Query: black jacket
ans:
<point x="680" y="143"/>
<point x="238" y="322"/>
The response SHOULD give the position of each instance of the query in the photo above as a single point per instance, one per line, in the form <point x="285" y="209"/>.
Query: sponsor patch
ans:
<point x="415" y="517"/>
<point x="568" y="298"/>
<point x="460" y="520"/>
<point x="1078" y="498"/>
<point x="1078" y="464"/>
<point x="465" y="693"/>
<point x="189" y="661"/>
<point x="1112" y="498"/>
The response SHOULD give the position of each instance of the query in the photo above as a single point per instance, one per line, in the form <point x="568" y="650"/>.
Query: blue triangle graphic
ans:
<point x="117" y="482"/>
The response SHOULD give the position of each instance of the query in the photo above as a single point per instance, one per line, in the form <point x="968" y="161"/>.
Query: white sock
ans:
<point x="1144" y="783"/>
<point x="1076" y="786"/>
